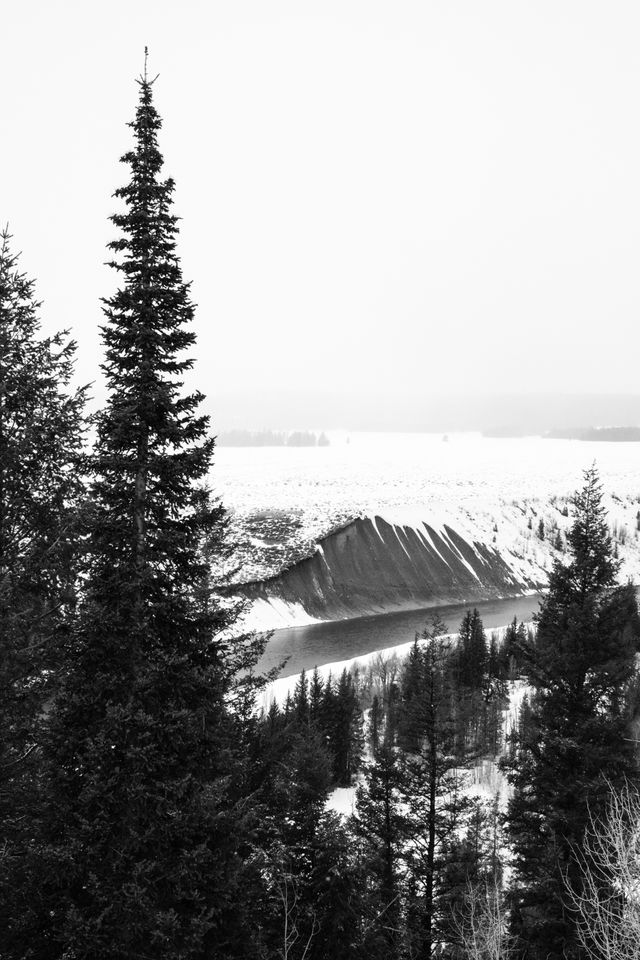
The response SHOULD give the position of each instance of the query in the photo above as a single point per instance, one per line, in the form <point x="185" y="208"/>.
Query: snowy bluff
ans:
<point x="373" y="566"/>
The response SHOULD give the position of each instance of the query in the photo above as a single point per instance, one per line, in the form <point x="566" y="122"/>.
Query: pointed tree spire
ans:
<point x="143" y="748"/>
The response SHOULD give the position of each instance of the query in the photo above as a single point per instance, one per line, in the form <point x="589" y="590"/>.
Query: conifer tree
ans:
<point x="301" y="699"/>
<point x="337" y="894"/>
<point x="375" y="722"/>
<point x="472" y="653"/>
<point x="346" y="737"/>
<point x="410" y="726"/>
<point x="143" y="834"/>
<point x="41" y="436"/>
<point x="514" y="647"/>
<point x="470" y="664"/>
<point x="292" y="778"/>
<point x="380" y="824"/>
<point x="575" y="742"/>
<point x="430" y="788"/>
<point x="316" y="688"/>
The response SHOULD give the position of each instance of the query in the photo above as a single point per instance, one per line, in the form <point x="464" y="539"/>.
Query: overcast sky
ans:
<point x="428" y="195"/>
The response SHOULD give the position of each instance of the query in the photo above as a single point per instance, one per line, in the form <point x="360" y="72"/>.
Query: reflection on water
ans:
<point x="321" y="643"/>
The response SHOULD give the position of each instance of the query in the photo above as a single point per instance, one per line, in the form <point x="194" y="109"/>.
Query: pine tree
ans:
<point x="292" y="781"/>
<point x="336" y="893"/>
<point x="472" y="653"/>
<point x="430" y="787"/>
<point x="316" y="689"/>
<point x="143" y="826"/>
<point x="380" y="825"/>
<point x="575" y="738"/>
<point x="41" y="435"/>
<point x="288" y="710"/>
<point x="470" y="664"/>
<point x="410" y="726"/>
<point x="514" y="649"/>
<point x="375" y="722"/>
<point x="301" y="700"/>
<point x="346" y="737"/>
<point x="307" y="769"/>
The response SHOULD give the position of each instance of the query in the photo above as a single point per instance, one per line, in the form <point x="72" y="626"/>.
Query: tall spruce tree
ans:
<point x="381" y="827"/>
<point x="430" y="787"/>
<point x="346" y="737"/>
<point x="40" y="489"/>
<point x="575" y="741"/>
<point x="471" y="655"/>
<point x="142" y="854"/>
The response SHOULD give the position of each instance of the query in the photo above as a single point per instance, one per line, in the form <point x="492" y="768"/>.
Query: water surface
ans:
<point x="319" y="643"/>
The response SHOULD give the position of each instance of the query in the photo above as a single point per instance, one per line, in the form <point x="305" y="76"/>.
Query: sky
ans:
<point x="380" y="201"/>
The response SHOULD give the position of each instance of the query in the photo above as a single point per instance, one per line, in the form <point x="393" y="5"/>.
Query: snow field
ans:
<point x="490" y="491"/>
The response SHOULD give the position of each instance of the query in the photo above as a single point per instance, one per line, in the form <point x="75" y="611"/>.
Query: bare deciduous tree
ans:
<point x="606" y="899"/>
<point x="481" y="925"/>
<point x="288" y="895"/>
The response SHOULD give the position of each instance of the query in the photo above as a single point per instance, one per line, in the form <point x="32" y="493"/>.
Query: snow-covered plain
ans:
<point x="284" y="499"/>
<point x="365" y="473"/>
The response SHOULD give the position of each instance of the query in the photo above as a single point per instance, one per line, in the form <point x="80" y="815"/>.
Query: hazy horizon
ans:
<point x="533" y="413"/>
<point x="379" y="201"/>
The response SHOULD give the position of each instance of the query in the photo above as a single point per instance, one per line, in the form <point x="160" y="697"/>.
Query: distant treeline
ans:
<point x="612" y="434"/>
<point x="268" y="438"/>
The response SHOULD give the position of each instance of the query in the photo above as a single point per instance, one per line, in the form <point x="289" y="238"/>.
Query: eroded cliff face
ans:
<point x="374" y="566"/>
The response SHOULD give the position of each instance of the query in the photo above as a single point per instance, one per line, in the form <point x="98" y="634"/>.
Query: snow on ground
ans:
<point x="484" y="781"/>
<point x="518" y="689"/>
<point x="275" y="613"/>
<point x="342" y="800"/>
<point x="372" y="472"/>
<point x="494" y="491"/>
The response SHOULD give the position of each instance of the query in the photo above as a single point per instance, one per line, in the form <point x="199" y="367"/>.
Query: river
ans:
<point x="319" y="643"/>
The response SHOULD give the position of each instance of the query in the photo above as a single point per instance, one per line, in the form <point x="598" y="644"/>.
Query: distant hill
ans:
<point x="611" y="434"/>
<point x="269" y="438"/>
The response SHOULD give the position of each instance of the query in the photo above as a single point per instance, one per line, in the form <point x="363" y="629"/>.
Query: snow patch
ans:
<point x="342" y="800"/>
<point x="274" y="614"/>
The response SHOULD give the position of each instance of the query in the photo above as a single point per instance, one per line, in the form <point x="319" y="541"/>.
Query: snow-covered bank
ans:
<point x="279" y="689"/>
<point x="273" y="613"/>
<point x="382" y="564"/>
<point x="285" y="500"/>
<point x="474" y="518"/>
<point x="374" y="565"/>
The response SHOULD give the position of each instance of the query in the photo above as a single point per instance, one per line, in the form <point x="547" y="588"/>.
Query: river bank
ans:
<point x="316" y="644"/>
